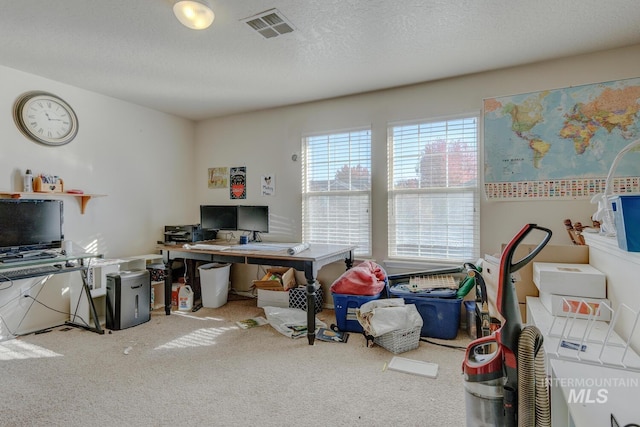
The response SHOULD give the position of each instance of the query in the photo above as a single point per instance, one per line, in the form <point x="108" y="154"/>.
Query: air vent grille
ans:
<point x="269" y="24"/>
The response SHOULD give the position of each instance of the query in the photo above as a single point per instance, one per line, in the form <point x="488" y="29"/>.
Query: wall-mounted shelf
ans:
<point x="83" y="198"/>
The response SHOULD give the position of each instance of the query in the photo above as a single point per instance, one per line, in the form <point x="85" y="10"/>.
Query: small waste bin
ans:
<point x="214" y="284"/>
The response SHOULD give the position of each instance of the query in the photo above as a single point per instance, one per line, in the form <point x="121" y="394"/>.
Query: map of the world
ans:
<point x="564" y="134"/>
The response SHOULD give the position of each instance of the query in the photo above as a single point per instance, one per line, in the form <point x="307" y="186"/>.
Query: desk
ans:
<point x="67" y="264"/>
<point x="309" y="261"/>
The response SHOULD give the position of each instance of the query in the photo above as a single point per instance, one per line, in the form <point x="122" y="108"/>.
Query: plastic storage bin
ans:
<point x="626" y="214"/>
<point x="441" y="316"/>
<point x="345" y="307"/>
<point x="214" y="284"/>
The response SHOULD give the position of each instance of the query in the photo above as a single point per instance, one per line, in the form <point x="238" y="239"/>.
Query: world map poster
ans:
<point x="561" y="143"/>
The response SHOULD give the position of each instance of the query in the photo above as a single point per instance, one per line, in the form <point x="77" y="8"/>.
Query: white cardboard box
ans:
<point x="582" y="308"/>
<point x="581" y="280"/>
<point x="268" y="298"/>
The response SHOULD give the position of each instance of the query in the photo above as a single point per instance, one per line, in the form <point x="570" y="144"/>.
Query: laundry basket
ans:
<point x="400" y="340"/>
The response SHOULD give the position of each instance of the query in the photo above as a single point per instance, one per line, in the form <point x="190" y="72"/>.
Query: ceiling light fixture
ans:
<point x="194" y="14"/>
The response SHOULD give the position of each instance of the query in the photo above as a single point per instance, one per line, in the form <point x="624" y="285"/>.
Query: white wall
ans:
<point x="265" y="140"/>
<point x="139" y="158"/>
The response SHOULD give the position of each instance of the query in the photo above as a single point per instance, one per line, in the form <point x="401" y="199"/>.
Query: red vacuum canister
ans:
<point x="484" y="381"/>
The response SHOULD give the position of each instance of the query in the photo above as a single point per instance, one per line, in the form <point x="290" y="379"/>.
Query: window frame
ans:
<point x="473" y="192"/>
<point x="310" y="195"/>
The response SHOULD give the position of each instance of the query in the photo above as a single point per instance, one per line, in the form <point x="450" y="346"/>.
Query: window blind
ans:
<point x="433" y="190"/>
<point x="336" y="190"/>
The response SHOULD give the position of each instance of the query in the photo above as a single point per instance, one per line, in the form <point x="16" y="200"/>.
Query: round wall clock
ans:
<point x="45" y="118"/>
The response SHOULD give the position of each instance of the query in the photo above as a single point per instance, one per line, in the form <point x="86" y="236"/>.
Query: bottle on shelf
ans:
<point x="28" y="182"/>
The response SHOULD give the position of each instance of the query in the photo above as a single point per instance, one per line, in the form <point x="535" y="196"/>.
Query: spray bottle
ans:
<point x="28" y="182"/>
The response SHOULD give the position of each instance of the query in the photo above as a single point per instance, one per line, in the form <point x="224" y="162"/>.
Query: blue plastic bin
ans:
<point x="345" y="306"/>
<point x="440" y="316"/>
<point x="626" y="215"/>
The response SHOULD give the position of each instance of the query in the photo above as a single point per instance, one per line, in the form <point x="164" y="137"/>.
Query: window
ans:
<point x="433" y="190"/>
<point x="336" y="189"/>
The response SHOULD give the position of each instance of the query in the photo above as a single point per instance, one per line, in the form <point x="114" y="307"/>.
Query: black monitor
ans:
<point x="218" y="217"/>
<point x="254" y="219"/>
<point x="30" y="224"/>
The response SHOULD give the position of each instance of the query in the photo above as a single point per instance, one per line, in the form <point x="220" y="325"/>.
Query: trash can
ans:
<point x="214" y="284"/>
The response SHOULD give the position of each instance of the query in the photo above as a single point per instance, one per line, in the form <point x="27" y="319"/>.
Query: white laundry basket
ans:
<point x="214" y="284"/>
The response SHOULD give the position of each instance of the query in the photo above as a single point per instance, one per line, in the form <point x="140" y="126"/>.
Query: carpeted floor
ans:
<point x="202" y="369"/>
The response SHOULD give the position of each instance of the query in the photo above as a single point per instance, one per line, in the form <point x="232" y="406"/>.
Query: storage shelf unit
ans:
<point x="83" y="198"/>
<point x="578" y="378"/>
<point x="140" y="262"/>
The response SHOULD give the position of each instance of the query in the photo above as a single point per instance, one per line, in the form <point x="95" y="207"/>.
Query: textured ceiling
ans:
<point x="136" y="50"/>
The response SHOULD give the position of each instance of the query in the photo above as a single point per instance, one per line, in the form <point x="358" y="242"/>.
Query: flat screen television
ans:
<point x="30" y="224"/>
<point x="254" y="219"/>
<point x="218" y="217"/>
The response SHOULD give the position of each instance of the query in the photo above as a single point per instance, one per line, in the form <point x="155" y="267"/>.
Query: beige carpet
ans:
<point x="201" y="369"/>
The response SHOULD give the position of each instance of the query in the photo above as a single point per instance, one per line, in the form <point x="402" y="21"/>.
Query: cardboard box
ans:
<point x="581" y="308"/>
<point x="580" y="280"/>
<point x="268" y="298"/>
<point x="524" y="277"/>
<point x="288" y="279"/>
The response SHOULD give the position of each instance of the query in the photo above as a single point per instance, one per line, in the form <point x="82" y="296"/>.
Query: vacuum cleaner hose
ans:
<point x="534" y="408"/>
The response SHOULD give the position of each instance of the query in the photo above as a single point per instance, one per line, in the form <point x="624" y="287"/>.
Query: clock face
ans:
<point x="45" y="118"/>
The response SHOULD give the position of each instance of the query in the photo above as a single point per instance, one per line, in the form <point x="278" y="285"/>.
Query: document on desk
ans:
<point x="206" y="247"/>
<point x="267" y="247"/>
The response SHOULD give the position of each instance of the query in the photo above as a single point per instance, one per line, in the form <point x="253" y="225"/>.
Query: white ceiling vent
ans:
<point x="270" y="23"/>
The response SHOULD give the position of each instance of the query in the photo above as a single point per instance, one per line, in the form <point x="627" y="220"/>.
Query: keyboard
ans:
<point x="26" y="257"/>
<point x="21" y="273"/>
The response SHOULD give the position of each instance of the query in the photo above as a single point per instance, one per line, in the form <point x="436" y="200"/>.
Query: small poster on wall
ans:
<point x="238" y="180"/>
<point x="268" y="185"/>
<point x="218" y="177"/>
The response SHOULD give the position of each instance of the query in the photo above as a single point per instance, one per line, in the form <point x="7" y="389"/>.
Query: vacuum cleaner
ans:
<point x="504" y="373"/>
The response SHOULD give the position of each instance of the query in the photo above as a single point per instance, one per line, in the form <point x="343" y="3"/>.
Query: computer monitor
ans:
<point x="30" y="224"/>
<point x="218" y="217"/>
<point x="254" y="219"/>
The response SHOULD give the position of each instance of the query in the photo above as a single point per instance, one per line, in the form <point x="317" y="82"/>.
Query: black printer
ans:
<point x="182" y="233"/>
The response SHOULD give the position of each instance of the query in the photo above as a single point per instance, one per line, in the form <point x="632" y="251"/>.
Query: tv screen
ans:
<point x="253" y="218"/>
<point x="29" y="224"/>
<point x="218" y="217"/>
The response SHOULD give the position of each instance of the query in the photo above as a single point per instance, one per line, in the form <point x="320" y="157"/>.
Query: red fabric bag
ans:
<point x="366" y="278"/>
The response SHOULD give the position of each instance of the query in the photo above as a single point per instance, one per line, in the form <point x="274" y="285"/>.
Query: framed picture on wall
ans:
<point x="218" y="177"/>
<point x="268" y="184"/>
<point x="238" y="182"/>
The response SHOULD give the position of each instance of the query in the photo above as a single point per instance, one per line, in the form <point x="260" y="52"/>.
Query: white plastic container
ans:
<point x="185" y="298"/>
<point x="580" y="280"/>
<point x="214" y="284"/>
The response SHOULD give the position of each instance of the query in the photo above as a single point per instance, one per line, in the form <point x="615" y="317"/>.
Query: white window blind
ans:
<point x="433" y="190"/>
<point x="336" y="189"/>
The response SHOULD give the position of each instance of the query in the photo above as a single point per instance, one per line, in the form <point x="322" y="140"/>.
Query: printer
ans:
<point x="182" y="233"/>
